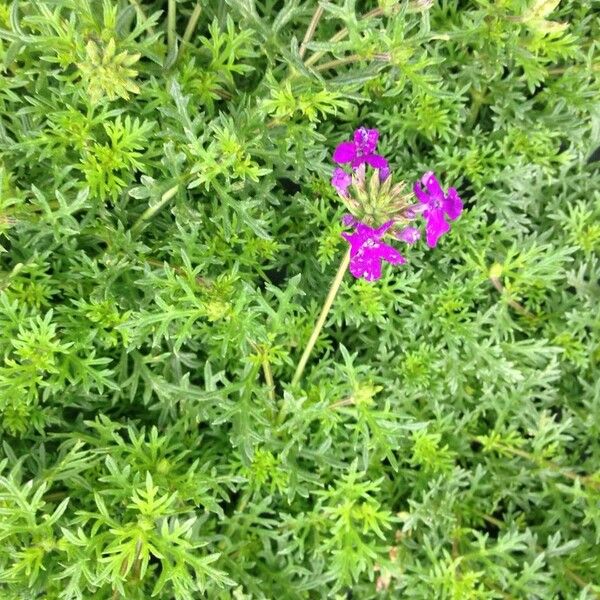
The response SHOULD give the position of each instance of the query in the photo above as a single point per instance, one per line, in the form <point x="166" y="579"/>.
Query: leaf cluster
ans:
<point x="167" y="236"/>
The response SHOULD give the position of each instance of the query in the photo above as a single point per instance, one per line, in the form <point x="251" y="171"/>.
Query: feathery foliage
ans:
<point x="167" y="234"/>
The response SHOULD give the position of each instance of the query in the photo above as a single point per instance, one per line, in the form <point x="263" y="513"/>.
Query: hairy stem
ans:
<point x="171" y="21"/>
<point x="512" y="303"/>
<point x="268" y="373"/>
<point x="563" y="69"/>
<point x="312" y="26"/>
<point x="153" y="209"/>
<point x="586" y="480"/>
<point x="338" y="37"/>
<point x="190" y="28"/>
<point x="162" y="264"/>
<point x="589" y="481"/>
<point x="342" y="33"/>
<point x="340" y="62"/>
<point x="335" y="286"/>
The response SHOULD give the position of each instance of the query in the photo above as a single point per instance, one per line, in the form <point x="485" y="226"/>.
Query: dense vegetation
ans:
<point x="168" y="233"/>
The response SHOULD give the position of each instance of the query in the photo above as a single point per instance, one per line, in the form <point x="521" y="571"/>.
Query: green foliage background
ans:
<point x="167" y="228"/>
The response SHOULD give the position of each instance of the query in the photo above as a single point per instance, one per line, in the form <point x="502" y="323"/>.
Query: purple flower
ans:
<point x="361" y="151"/>
<point x="340" y="181"/>
<point x="367" y="251"/>
<point x="410" y="235"/>
<point x="437" y="206"/>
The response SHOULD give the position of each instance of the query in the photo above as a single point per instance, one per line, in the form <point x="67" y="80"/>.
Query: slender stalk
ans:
<point x="580" y="581"/>
<point x="338" y="62"/>
<point x="125" y="567"/>
<point x="190" y="28"/>
<point x="152" y="210"/>
<point x="266" y="367"/>
<point x="512" y="303"/>
<point x="311" y="60"/>
<point x="122" y="572"/>
<point x="312" y="26"/>
<point x="338" y="37"/>
<point x="561" y="70"/>
<point x="161" y="264"/>
<point x="344" y="402"/>
<point x="342" y="33"/>
<point x="335" y="286"/>
<point x="268" y="373"/>
<point x="171" y="21"/>
<point x="588" y="481"/>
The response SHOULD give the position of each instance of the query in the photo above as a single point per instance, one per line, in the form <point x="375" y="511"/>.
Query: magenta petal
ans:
<point x="410" y="235"/>
<point x="425" y="177"/>
<point x="366" y="140"/>
<point x="382" y="229"/>
<point x="364" y="232"/>
<point x="436" y="226"/>
<point x="365" y="267"/>
<point x="372" y="270"/>
<point x="366" y="264"/>
<point x="356" y="268"/>
<point x="420" y="194"/>
<point x="376" y="161"/>
<point x="436" y="205"/>
<point x="453" y="205"/>
<point x="391" y="255"/>
<point x="340" y="180"/>
<point x="356" y="242"/>
<point x="433" y="185"/>
<point x="367" y="251"/>
<point x="344" y="152"/>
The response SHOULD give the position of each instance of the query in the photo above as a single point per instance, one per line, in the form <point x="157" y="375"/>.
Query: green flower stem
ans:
<point x="340" y="62"/>
<point x="310" y="32"/>
<point x="335" y="286"/>
<point x="191" y="27"/>
<point x="589" y="481"/>
<point x="154" y="208"/>
<point x="268" y="373"/>
<point x="171" y="20"/>
<point x="342" y="33"/>
<point x="338" y="37"/>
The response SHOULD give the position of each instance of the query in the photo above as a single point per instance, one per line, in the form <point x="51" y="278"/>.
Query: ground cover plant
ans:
<point x="181" y="181"/>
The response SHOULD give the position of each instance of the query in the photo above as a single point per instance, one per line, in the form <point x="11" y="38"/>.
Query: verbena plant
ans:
<point x="168" y="234"/>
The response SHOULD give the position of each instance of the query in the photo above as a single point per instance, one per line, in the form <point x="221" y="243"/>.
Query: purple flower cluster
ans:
<point x="367" y="249"/>
<point x="358" y="152"/>
<point x="437" y="205"/>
